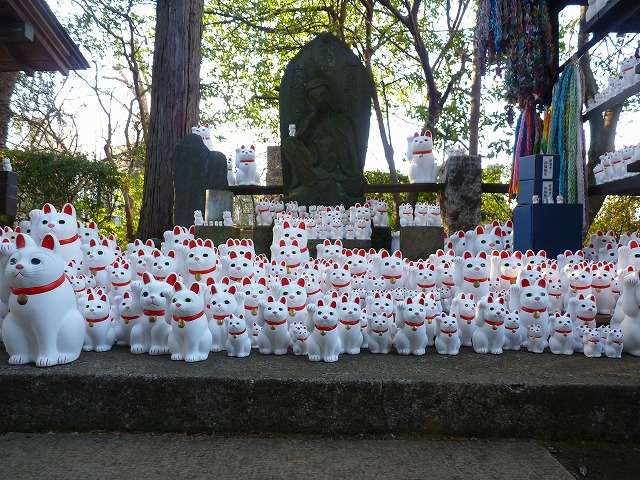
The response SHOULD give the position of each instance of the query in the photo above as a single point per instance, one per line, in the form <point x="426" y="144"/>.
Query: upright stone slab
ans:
<point x="461" y="198"/>
<point x="274" y="166"/>
<point x="420" y="242"/>
<point x="196" y="169"/>
<point x="262" y="239"/>
<point x="326" y="93"/>
<point x="381" y="238"/>
<point x="218" y="202"/>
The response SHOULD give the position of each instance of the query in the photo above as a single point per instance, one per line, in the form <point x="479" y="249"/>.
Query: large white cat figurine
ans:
<point x="63" y="225"/>
<point x="44" y="325"/>
<point x="246" y="171"/>
<point x="190" y="337"/>
<point x="423" y="168"/>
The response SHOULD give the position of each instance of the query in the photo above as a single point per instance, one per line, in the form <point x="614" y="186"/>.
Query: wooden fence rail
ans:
<point x="370" y="188"/>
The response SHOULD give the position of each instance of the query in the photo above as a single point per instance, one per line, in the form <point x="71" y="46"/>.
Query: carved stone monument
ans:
<point x="459" y="200"/>
<point x="325" y="107"/>
<point x="196" y="169"/>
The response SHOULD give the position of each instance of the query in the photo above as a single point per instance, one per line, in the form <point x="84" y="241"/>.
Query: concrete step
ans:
<point x="514" y="395"/>
<point x="117" y="456"/>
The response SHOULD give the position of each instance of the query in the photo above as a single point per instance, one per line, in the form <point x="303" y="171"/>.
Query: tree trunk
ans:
<point x="7" y="84"/>
<point x="386" y="143"/>
<point x="175" y="95"/>
<point x="474" y="116"/>
<point x="602" y="129"/>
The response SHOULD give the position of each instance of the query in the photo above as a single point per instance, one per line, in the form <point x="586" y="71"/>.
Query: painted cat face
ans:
<point x="98" y="254"/>
<point x="186" y="302"/>
<point x="95" y="307"/>
<point x="535" y="295"/>
<point x="223" y="303"/>
<point x="62" y="224"/>
<point x="201" y="256"/>
<point x="31" y="266"/>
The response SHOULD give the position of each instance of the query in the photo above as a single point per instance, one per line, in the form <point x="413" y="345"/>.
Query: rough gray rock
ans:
<point x="460" y="200"/>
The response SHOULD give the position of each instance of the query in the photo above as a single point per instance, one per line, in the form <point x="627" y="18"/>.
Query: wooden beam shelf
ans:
<point x="501" y="188"/>
<point x="619" y="16"/>
<point x="612" y="102"/>
<point x="625" y="186"/>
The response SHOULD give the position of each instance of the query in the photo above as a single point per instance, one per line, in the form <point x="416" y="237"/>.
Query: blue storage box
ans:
<point x="528" y="188"/>
<point x="539" y="167"/>
<point x="551" y="227"/>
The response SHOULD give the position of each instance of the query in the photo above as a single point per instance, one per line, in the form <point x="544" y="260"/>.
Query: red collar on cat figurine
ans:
<point x="273" y="324"/>
<point x="326" y="329"/>
<point x="494" y="324"/>
<point x="96" y="320"/>
<point x="69" y="240"/>
<point x="195" y="272"/>
<point x="534" y="310"/>
<point x="41" y="289"/>
<point x="346" y="322"/>
<point x="414" y="324"/>
<point x="189" y="318"/>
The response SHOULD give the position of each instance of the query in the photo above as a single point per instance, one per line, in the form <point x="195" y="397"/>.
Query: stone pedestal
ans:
<point x="195" y="170"/>
<point x="8" y="198"/>
<point x="461" y="198"/>
<point x="274" y="166"/>
<point x="420" y="242"/>
<point x="381" y="238"/>
<point x="218" y="201"/>
<point x="262" y="240"/>
<point x="218" y="235"/>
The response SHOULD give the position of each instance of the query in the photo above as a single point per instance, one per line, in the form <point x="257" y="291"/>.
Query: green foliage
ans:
<point x="495" y="206"/>
<point x="619" y="214"/>
<point x="248" y="43"/>
<point x="49" y="177"/>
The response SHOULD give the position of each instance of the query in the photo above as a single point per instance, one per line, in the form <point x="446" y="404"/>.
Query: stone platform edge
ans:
<point x="438" y="396"/>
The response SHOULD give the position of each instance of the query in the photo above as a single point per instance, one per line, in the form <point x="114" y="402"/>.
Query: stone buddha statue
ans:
<point x="322" y="154"/>
<point x="325" y="109"/>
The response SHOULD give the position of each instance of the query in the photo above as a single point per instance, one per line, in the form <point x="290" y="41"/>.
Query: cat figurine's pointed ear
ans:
<point x="24" y="241"/>
<point x="69" y="210"/>
<point x="195" y="288"/>
<point x="48" y="208"/>
<point x="51" y="242"/>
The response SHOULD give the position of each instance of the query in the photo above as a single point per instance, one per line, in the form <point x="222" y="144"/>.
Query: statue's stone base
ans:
<point x="420" y="242"/>
<point x="381" y="238"/>
<point x="262" y="240"/>
<point x="218" y="201"/>
<point x="217" y="234"/>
